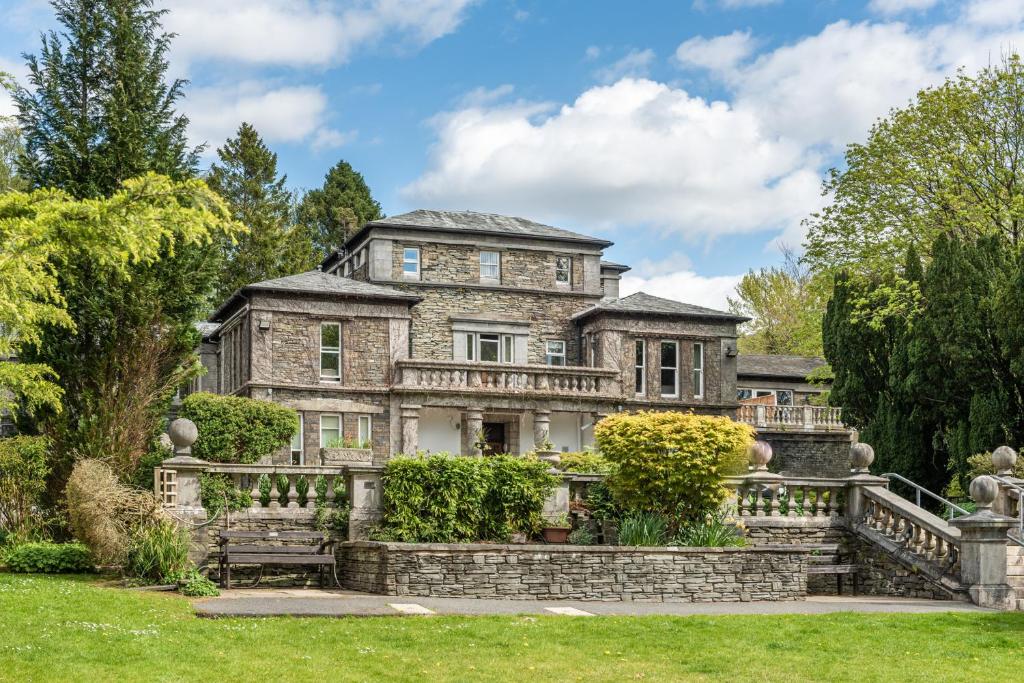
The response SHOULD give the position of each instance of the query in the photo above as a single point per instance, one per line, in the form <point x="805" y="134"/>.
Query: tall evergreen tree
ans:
<point x="343" y="205"/>
<point x="247" y="179"/>
<point x="99" y="110"/>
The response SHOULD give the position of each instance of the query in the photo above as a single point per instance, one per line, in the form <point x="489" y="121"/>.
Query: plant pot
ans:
<point x="554" y="534"/>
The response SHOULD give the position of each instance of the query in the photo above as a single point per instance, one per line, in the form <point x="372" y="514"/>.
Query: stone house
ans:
<point x="778" y="380"/>
<point x="446" y="331"/>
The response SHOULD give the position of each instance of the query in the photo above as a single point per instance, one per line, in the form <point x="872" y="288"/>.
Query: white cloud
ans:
<point x="20" y="74"/>
<point x="719" y="54"/>
<point x="890" y="7"/>
<point x="635" y="64"/>
<point x="330" y="138"/>
<point x="684" y="285"/>
<point x="479" y="97"/>
<point x="736" y="4"/>
<point x="303" y="32"/>
<point x="592" y="52"/>
<point x="995" y="13"/>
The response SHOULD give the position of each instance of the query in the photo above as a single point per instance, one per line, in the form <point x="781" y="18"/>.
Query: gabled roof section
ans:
<point x="473" y="222"/>
<point x="792" y="367"/>
<point x="319" y="282"/>
<point x="642" y="303"/>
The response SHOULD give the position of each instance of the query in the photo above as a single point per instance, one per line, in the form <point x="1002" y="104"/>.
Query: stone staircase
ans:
<point x="1015" y="571"/>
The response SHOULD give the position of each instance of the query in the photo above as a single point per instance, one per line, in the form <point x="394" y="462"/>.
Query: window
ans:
<point x="784" y="397"/>
<point x="698" y="370"/>
<point x="330" y="351"/>
<point x="669" y="368"/>
<point x="411" y="263"/>
<point x="470" y="346"/>
<point x="490" y="348"/>
<point x="563" y="269"/>
<point x="555" y="352"/>
<point x="297" y="458"/>
<point x="490" y="265"/>
<point x="592" y="356"/>
<point x="745" y="394"/>
<point x="640" y="368"/>
<point x="330" y="430"/>
<point x="365" y="435"/>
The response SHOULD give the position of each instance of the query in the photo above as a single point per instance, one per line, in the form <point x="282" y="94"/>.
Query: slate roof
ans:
<point x="612" y="265"/>
<point x="474" y="222"/>
<point x="647" y="304"/>
<point x="318" y="282"/>
<point x="795" y="367"/>
<point x="206" y="329"/>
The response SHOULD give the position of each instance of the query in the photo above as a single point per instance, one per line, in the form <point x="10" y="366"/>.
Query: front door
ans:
<point x="494" y="437"/>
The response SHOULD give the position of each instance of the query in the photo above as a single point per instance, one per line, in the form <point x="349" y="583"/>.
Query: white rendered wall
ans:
<point x="565" y="431"/>
<point x="437" y="435"/>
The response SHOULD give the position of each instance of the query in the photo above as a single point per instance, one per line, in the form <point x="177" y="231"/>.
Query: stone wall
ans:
<point x="545" y="572"/>
<point x="878" y="573"/>
<point x="808" y="454"/>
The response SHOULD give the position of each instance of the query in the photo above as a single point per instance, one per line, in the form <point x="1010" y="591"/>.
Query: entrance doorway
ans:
<point x="495" y="437"/>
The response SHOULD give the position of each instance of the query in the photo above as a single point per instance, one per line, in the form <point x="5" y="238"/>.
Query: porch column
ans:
<point x="410" y="429"/>
<point x="541" y="427"/>
<point x="474" y="425"/>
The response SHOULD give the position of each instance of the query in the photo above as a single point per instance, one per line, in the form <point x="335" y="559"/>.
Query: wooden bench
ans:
<point x="255" y="547"/>
<point x="826" y="558"/>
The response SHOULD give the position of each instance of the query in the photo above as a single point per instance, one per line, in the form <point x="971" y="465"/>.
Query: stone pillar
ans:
<point x="474" y="425"/>
<point x="541" y="428"/>
<point x="410" y="429"/>
<point x="188" y="504"/>
<point x="1004" y="459"/>
<point x="983" y="549"/>
<point x="557" y="504"/>
<point x="363" y="485"/>
<point x="861" y="457"/>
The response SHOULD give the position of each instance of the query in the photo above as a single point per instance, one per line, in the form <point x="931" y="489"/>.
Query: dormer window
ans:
<point x="490" y="266"/>
<point x="563" y="270"/>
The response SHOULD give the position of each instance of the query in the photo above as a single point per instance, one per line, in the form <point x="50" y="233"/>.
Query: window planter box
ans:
<point x="341" y="456"/>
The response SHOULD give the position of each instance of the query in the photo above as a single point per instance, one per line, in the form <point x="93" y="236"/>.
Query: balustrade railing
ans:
<point x="499" y="377"/>
<point x="788" y="497"/>
<point x="273" y="487"/>
<point x="807" y="418"/>
<point x="912" y="529"/>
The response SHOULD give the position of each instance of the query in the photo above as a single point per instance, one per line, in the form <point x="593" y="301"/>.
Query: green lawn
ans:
<point x="70" y="629"/>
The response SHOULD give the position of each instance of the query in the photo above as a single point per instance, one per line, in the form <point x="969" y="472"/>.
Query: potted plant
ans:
<point x="556" y="530"/>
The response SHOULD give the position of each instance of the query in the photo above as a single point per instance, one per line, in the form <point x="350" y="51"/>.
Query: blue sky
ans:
<point x="693" y="134"/>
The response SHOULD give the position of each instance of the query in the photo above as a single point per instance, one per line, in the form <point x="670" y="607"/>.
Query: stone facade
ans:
<point x="545" y="572"/>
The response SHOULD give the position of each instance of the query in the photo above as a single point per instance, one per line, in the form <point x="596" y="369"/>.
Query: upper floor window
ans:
<point x="563" y="269"/>
<point x="411" y="263"/>
<point x="330" y="351"/>
<point x="698" y="370"/>
<point x="490" y="348"/>
<point x="640" y="367"/>
<point x="669" y="369"/>
<point x="490" y="265"/>
<point x="296" y="448"/>
<point x="555" y="352"/>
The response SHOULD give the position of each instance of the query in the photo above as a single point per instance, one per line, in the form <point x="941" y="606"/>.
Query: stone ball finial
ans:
<point x="183" y="433"/>
<point x="861" y="457"/>
<point x="760" y="454"/>
<point x="984" y="490"/>
<point x="1004" y="458"/>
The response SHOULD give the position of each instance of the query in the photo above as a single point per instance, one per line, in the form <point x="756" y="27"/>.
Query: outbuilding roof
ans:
<point x="792" y="367"/>
<point x="647" y="304"/>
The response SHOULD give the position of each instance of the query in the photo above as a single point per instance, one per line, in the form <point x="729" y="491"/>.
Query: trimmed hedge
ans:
<point x="49" y="558"/>
<point x="446" y="499"/>
<point x="237" y="429"/>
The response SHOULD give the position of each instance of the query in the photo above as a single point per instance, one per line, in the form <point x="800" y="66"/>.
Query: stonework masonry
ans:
<point x="809" y="454"/>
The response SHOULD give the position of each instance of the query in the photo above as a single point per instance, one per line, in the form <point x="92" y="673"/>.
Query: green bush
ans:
<point x="23" y="471"/>
<point x="445" y="499"/>
<point x="600" y="502"/>
<point x="585" y="462"/>
<point x="237" y="429"/>
<point x="48" y="558"/>
<point x="672" y="463"/>
<point x="215" y="489"/>
<point x="193" y="584"/>
<point x="582" y="536"/>
<point x="142" y="477"/>
<point x="158" y="551"/>
<point x="643" y="529"/>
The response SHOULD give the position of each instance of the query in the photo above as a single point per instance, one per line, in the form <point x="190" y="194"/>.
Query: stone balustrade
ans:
<point x="460" y="376"/>
<point x="807" y="418"/>
<point x="758" y="496"/>
<point x="248" y="478"/>
<point x="913" y="530"/>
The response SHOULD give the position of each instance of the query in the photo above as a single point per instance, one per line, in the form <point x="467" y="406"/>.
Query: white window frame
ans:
<point x="364" y="435"/>
<point x="485" y="263"/>
<point x="697" y="374"/>
<point x="330" y="350"/>
<point x="640" y="368"/>
<point x="414" y="261"/>
<point x="549" y="355"/>
<point x="302" y="443"/>
<point x="662" y="368"/>
<point x="506" y="346"/>
<point x="567" y="270"/>
<point x="341" y="429"/>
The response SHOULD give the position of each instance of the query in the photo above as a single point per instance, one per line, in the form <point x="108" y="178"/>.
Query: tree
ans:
<point x="99" y="111"/>
<point x="10" y="144"/>
<point x="786" y="305"/>
<point x="343" y="205"/>
<point x="247" y="179"/>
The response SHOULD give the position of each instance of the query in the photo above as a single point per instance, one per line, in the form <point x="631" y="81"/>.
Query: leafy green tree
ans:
<point x="246" y="177"/>
<point x="343" y="205"/>
<point x="10" y="144"/>
<point x="99" y="110"/>
<point x="786" y="305"/>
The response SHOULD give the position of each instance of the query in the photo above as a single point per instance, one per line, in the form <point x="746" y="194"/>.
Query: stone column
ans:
<point x="188" y="504"/>
<point x="861" y="457"/>
<point x="1004" y="459"/>
<point x="474" y="425"/>
<point x="410" y="429"/>
<point x="363" y="485"/>
<point x="541" y="428"/>
<point x="983" y="549"/>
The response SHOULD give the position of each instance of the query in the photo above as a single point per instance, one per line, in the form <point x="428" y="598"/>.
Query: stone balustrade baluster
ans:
<point x="329" y="494"/>
<point x="293" y="493"/>
<point x="254" y="491"/>
<point x="275" y="494"/>
<point x="310" y="492"/>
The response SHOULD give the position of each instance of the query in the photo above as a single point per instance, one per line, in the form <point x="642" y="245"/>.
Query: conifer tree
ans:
<point x="340" y="207"/>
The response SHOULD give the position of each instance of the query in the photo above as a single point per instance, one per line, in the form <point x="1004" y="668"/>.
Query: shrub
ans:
<point x="600" y="502"/>
<point x="445" y="499"/>
<point x="237" y="429"/>
<point x="585" y="462"/>
<point x="49" y="558"/>
<point x="142" y="477"/>
<point x="23" y="472"/>
<point x="714" y="531"/>
<point x="215" y="489"/>
<point x="158" y="551"/>
<point x="643" y="529"/>
<point x="193" y="584"/>
<point x="582" y="536"/>
<point x="672" y="463"/>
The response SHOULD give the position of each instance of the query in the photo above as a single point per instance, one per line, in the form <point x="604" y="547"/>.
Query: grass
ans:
<point x="72" y="629"/>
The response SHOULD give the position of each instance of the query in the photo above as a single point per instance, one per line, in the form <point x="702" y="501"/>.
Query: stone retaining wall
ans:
<point x="808" y="454"/>
<point x="546" y="572"/>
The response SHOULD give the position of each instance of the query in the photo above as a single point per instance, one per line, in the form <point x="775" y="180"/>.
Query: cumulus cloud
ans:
<point x="634" y="64"/>
<point x="890" y="7"/>
<point x="719" y="54"/>
<point x="17" y="70"/>
<point x="683" y="285"/>
<point x="303" y="32"/>
<point x="994" y="12"/>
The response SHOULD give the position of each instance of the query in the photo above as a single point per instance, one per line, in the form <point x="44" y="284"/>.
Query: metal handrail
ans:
<point x="1019" y="538"/>
<point x="950" y="505"/>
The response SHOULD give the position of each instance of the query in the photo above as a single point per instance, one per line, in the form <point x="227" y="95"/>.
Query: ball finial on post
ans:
<point x="984" y="490"/>
<point x="1003" y="459"/>
<point x="183" y="433"/>
<point x="760" y="454"/>
<point x="861" y="457"/>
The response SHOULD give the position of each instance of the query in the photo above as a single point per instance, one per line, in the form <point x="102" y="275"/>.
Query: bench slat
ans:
<point x="273" y="549"/>
<point x="269" y="535"/>
<point x="279" y="559"/>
